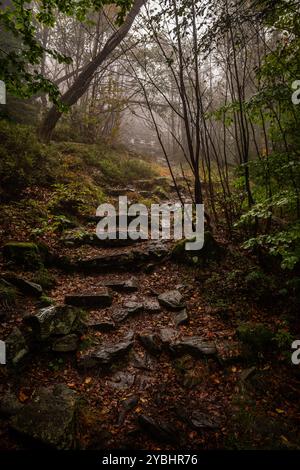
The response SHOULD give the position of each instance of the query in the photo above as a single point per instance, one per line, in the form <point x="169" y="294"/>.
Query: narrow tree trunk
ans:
<point x="82" y="82"/>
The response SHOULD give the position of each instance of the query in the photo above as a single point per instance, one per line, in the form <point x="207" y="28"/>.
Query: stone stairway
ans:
<point x="124" y="329"/>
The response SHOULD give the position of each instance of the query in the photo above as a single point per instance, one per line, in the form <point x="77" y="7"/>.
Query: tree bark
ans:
<point x="82" y="82"/>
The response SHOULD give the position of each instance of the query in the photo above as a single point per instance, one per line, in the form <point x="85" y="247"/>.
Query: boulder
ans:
<point x="172" y="299"/>
<point x="54" y="320"/>
<point x="49" y="418"/>
<point x="66" y="343"/>
<point x="25" y="254"/>
<point x="99" y="299"/>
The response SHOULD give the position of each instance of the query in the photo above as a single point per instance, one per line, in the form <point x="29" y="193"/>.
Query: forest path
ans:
<point x="154" y="364"/>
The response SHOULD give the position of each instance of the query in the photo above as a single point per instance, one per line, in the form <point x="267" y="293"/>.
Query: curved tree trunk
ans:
<point x="82" y="82"/>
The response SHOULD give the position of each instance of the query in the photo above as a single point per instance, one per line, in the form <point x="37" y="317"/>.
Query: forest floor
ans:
<point x="157" y="393"/>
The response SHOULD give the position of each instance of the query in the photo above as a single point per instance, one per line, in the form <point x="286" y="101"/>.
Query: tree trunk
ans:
<point x="82" y="82"/>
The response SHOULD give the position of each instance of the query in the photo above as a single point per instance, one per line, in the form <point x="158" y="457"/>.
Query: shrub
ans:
<point x="256" y="337"/>
<point x="75" y="198"/>
<point x="23" y="160"/>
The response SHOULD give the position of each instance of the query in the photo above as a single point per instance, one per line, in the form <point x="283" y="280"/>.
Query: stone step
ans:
<point x="121" y="261"/>
<point x="119" y="239"/>
<point x="99" y="299"/>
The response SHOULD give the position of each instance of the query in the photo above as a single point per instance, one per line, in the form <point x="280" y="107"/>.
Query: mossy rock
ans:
<point x="8" y="293"/>
<point x="211" y="251"/>
<point x="25" y="254"/>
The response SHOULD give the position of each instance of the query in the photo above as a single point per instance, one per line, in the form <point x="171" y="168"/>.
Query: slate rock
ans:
<point x="120" y="315"/>
<point x="129" y="285"/>
<point x="181" y="317"/>
<point x="193" y="345"/>
<point x="133" y="307"/>
<point x="50" y="417"/>
<point x="66" y="343"/>
<point x="172" y="299"/>
<point x="25" y="286"/>
<point x="101" y="325"/>
<point x="167" y="335"/>
<point x="151" y="306"/>
<point x="99" y="299"/>
<point x="107" y="354"/>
